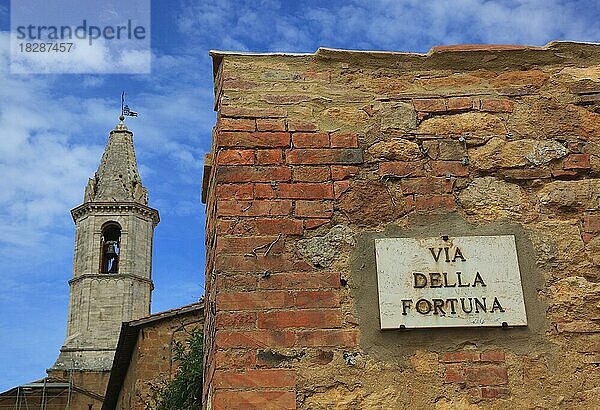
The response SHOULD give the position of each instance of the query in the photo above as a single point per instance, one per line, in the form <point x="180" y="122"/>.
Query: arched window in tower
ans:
<point x="111" y="243"/>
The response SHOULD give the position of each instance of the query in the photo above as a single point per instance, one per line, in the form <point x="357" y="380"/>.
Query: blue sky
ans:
<point x="54" y="127"/>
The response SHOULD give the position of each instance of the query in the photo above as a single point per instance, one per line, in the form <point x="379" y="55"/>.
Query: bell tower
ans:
<point x="112" y="266"/>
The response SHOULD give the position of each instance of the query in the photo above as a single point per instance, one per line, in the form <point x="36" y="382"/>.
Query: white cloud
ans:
<point x="82" y="57"/>
<point x="410" y="25"/>
<point x="92" y="81"/>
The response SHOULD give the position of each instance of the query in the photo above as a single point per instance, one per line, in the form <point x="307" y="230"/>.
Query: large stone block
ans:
<point x="395" y="149"/>
<point x="465" y="123"/>
<point x="499" y="153"/>
<point x="489" y="199"/>
<point x="571" y="196"/>
<point x="398" y="116"/>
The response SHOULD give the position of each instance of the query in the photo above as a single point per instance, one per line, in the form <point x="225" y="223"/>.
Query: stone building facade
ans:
<point x="316" y="156"/>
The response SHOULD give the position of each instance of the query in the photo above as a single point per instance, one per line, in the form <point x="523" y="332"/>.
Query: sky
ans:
<point x="53" y="128"/>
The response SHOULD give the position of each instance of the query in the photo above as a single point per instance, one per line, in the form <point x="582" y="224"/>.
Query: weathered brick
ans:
<point x="430" y="105"/>
<point x="305" y="318"/>
<point x="235" y="157"/>
<point x="306" y="173"/>
<point x="587" y="237"/>
<point x="459" y="103"/>
<point x="496" y="105"/>
<point x="340" y="172"/>
<point x="563" y="174"/>
<point x="318" y="75"/>
<point x="301" y="280"/>
<point x="236" y="124"/>
<point x="225" y="226"/>
<point x="261" y="226"/>
<point x="453" y="373"/>
<point x="294" y="125"/>
<point x="258" y="399"/>
<point x="286" y="99"/>
<point x="253" y="378"/>
<point x="236" y="83"/>
<point x="260" y="299"/>
<point x="314" y="209"/>
<point x="316" y="299"/>
<point x="339" y="187"/>
<point x="229" y="111"/>
<point x="235" y="191"/>
<point x="264" y="124"/>
<point x="486" y="375"/>
<point x="231" y="359"/>
<point x="401" y="169"/>
<point x="236" y="320"/>
<point x="453" y="168"/>
<point x="249" y="282"/>
<point x="250" y="244"/>
<point x="577" y="161"/>
<point x="315" y="156"/>
<point x="591" y="224"/>
<point x="253" y="339"/>
<point x="231" y="173"/>
<point x="310" y="139"/>
<point x="492" y="356"/>
<point x="322" y="338"/>
<point x="269" y="156"/>
<point x="253" y="139"/>
<point x="344" y="140"/>
<point x="494" y="392"/>
<point x="315" y="223"/>
<point x="299" y="190"/>
<point x="254" y="208"/>
<point x="426" y="185"/>
<point x="432" y="203"/>
<point x="260" y="263"/>
<point x="462" y="356"/>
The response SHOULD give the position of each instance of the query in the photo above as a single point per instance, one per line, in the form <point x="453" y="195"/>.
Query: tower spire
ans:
<point x="117" y="178"/>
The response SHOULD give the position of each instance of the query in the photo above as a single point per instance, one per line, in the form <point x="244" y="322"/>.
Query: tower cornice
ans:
<point x="111" y="276"/>
<point x="111" y="207"/>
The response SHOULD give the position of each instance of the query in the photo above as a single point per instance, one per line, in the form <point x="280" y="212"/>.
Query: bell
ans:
<point x="111" y="248"/>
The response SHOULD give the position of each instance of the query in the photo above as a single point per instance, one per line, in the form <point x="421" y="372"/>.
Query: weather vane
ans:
<point x="125" y="110"/>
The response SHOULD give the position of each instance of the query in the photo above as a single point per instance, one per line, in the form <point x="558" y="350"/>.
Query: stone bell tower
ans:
<point x="112" y="281"/>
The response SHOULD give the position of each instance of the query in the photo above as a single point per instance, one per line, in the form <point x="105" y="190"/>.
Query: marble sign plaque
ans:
<point x="468" y="281"/>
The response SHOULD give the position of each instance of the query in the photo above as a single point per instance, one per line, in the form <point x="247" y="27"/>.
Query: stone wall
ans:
<point x="315" y="156"/>
<point x="152" y="363"/>
<point x="87" y="389"/>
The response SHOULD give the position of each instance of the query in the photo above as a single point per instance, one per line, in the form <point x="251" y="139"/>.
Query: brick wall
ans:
<point x="313" y="156"/>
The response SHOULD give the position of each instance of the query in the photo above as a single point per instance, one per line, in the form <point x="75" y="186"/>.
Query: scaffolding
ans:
<point x="43" y="395"/>
<point x="47" y="394"/>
